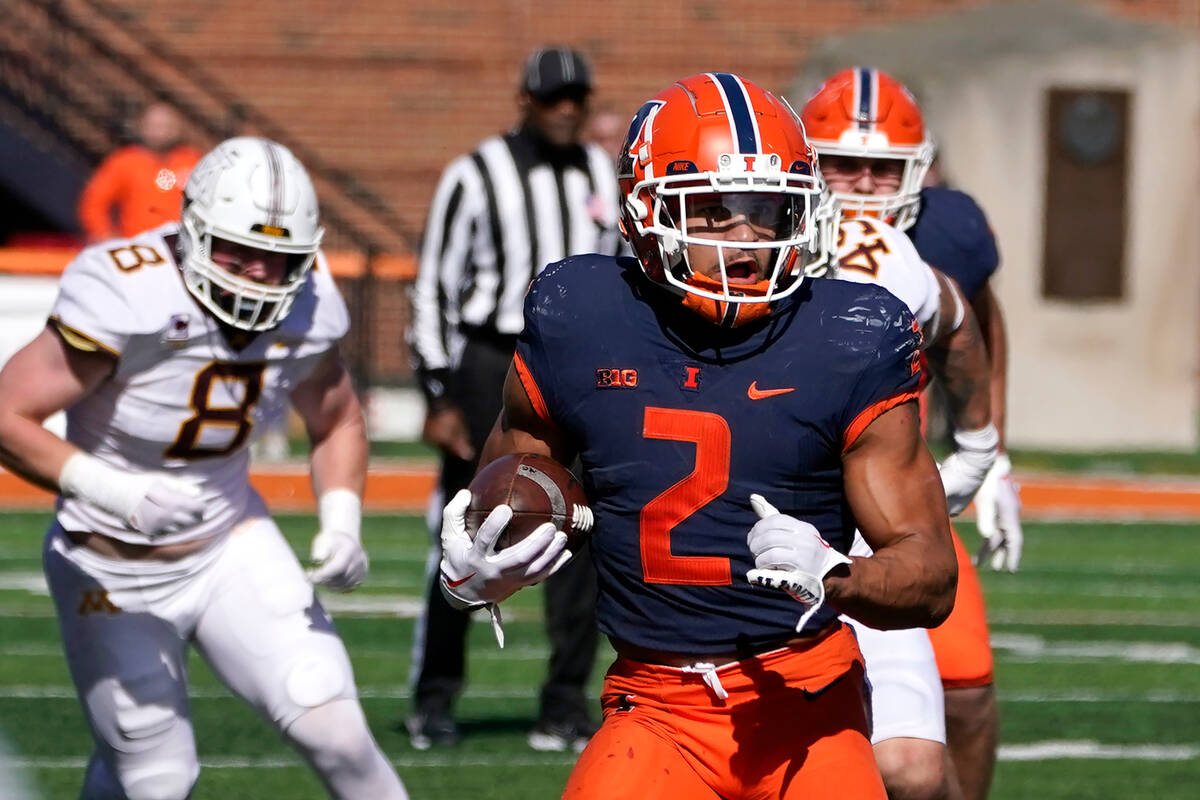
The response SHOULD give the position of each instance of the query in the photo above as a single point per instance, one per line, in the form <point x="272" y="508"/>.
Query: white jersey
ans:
<point x="181" y="398"/>
<point x="870" y="251"/>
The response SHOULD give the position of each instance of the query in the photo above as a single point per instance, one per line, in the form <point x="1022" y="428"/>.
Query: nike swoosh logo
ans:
<point x="815" y="694"/>
<point x="459" y="582"/>
<point x="755" y="393"/>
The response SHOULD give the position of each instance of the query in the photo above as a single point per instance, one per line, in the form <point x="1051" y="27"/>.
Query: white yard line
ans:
<point x="1055" y="750"/>
<point x="1166" y="697"/>
<point x="403" y="693"/>
<point x="1091" y="590"/>
<point x="1076" y="617"/>
<point x="1033" y="751"/>
<point x="1036" y="648"/>
<point x="217" y="693"/>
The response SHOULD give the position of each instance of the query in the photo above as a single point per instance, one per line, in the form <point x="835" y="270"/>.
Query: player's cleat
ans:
<point x="432" y="728"/>
<point x="561" y="735"/>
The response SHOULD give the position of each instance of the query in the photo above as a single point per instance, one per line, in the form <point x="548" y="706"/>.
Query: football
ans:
<point x="539" y="490"/>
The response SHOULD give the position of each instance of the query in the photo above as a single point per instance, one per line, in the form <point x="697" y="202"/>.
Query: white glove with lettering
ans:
<point x="998" y="506"/>
<point x="474" y="574"/>
<point x="154" y="503"/>
<point x="965" y="469"/>
<point x="789" y="554"/>
<point x="339" y="560"/>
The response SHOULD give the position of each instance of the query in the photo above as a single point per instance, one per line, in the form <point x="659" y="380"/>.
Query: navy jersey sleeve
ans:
<point x="952" y="234"/>
<point x="548" y="322"/>
<point x="891" y="377"/>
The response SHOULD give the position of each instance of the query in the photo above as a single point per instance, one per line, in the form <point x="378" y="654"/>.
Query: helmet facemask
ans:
<point x="771" y="210"/>
<point x="900" y="208"/>
<point x="255" y="194"/>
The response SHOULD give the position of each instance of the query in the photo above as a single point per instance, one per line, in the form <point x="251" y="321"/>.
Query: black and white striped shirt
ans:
<point x="499" y="215"/>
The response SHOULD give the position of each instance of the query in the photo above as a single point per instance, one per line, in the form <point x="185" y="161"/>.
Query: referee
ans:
<point x="519" y="201"/>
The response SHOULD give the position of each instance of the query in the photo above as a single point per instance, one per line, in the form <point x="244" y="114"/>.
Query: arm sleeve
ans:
<point x="891" y="377"/>
<point x="332" y="321"/>
<point x="532" y="359"/>
<point x="445" y="256"/>
<point x="98" y="198"/>
<point x="90" y="311"/>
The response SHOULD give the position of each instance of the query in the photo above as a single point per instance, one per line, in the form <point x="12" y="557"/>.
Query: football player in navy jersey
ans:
<point x="735" y="423"/>
<point x="875" y="153"/>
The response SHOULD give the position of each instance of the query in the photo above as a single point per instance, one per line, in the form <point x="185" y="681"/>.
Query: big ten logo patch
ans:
<point x="134" y="256"/>
<point x="615" y="378"/>
<point x="95" y="601"/>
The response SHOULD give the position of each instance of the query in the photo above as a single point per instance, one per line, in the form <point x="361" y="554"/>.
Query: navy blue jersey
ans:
<point x="952" y="234"/>
<point x="678" y="422"/>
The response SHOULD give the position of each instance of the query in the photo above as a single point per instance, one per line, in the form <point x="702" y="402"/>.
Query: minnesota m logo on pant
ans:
<point x="96" y="602"/>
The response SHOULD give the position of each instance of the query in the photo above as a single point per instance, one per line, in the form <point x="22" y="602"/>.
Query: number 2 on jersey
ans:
<point x="251" y="378"/>
<point x="710" y="433"/>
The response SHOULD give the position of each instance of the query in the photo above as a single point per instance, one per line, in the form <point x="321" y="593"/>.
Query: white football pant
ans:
<point x="906" y="690"/>
<point x="245" y="604"/>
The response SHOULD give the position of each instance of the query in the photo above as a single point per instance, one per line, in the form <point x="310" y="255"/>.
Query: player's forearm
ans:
<point x="31" y="451"/>
<point x="960" y="360"/>
<point x="339" y="458"/>
<point x="908" y="584"/>
<point x="896" y="496"/>
<point x="995" y="338"/>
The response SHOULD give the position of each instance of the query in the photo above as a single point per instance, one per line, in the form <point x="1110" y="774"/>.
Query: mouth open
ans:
<point x="742" y="272"/>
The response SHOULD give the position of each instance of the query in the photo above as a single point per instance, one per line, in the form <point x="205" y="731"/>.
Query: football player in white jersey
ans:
<point x="169" y="351"/>
<point x="908" y="718"/>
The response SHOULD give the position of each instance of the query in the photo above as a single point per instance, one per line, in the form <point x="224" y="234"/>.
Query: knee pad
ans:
<point x="335" y="739"/>
<point x="165" y="781"/>
<point x="912" y="769"/>
<point x="136" y="713"/>
<point x="335" y="735"/>
<point x="169" y="779"/>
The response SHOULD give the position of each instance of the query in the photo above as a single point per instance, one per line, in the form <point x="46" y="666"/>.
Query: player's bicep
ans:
<point x="892" y="483"/>
<point x="50" y="374"/>
<point x="522" y="427"/>
<point x="951" y="307"/>
<point x="326" y="398"/>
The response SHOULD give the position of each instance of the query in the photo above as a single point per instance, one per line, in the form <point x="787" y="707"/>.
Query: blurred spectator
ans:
<point x="607" y="128"/>
<point x="139" y="186"/>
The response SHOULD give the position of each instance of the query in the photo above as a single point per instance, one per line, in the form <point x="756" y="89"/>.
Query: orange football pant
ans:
<point x="794" y="726"/>
<point x="961" y="644"/>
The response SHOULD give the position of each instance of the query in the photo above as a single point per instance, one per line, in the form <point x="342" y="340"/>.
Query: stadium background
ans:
<point x="1097" y="638"/>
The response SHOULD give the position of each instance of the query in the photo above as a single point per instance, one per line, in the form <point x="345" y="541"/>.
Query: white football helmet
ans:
<point x="255" y="193"/>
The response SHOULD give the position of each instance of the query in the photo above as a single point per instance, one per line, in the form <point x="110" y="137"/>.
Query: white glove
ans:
<point x="789" y="554"/>
<point x="154" y="503"/>
<point x="339" y="560"/>
<point x="963" y="472"/>
<point x="998" y="509"/>
<point x="473" y="574"/>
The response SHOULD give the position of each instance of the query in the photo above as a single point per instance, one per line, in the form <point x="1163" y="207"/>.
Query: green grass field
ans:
<point x="1097" y="645"/>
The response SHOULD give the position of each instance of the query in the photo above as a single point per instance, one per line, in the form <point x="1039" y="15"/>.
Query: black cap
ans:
<point x="552" y="69"/>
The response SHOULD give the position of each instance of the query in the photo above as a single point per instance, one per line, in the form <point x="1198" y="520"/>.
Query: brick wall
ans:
<point x="392" y="90"/>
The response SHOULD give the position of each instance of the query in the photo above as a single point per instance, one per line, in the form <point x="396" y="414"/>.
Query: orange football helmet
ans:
<point x="866" y="113"/>
<point x="719" y="140"/>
